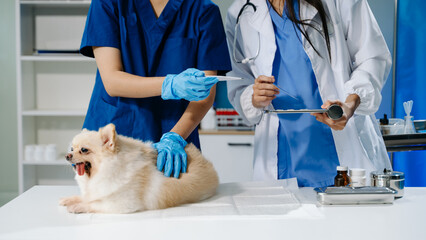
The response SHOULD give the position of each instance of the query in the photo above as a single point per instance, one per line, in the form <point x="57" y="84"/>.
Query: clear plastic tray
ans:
<point x="359" y="195"/>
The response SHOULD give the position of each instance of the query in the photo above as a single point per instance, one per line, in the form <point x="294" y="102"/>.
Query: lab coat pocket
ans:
<point x="177" y="54"/>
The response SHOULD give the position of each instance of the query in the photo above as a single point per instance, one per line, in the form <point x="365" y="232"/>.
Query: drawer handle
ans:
<point x="240" y="144"/>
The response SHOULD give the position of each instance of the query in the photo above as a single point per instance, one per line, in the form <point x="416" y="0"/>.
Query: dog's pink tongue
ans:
<point x="80" y="168"/>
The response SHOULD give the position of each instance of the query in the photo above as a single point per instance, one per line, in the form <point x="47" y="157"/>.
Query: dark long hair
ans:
<point x="302" y="23"/>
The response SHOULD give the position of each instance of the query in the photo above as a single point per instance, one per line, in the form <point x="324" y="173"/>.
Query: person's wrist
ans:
<point x="166" y="88"/>
<point x="352" y="102"/>
<point x="176" y="138"/>
<point x="255" y="103"/>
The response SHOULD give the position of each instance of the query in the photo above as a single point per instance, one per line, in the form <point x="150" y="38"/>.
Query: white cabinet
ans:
<point x="54" y="85"/>
<point x="231" y="155"/>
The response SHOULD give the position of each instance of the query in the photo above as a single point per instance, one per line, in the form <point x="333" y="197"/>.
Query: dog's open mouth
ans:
<point x="83" y="167"/>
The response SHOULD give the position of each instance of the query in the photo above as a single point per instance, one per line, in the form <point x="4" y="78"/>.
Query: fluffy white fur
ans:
<point x="122" y="177"/>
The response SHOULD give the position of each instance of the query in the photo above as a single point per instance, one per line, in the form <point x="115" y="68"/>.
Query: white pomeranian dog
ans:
<point x="118" y="174"/>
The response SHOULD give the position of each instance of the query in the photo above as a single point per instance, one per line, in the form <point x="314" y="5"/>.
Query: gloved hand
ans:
<point x="190" y="84"/>
<point x="171" y="154"/>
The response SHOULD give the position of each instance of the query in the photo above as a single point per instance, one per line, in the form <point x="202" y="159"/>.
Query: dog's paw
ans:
<point x="67" y="201"/>
<point x="78" y="208"/>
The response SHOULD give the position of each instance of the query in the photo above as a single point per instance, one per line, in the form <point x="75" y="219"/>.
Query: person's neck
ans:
<point x="278" y="6"/>
<point x="158" y="6"/>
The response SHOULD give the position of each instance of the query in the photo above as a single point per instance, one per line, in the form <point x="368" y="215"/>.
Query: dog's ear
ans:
<point x="108" y="135"/>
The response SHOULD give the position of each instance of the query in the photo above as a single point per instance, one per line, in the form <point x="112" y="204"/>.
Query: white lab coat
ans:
<point x="360" y="63"/>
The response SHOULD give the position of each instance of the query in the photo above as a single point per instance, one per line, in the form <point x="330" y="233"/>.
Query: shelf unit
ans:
<point x="53" y="89"/>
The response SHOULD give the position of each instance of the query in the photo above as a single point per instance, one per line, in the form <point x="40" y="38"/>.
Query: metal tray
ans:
<point x="358" y="195"/>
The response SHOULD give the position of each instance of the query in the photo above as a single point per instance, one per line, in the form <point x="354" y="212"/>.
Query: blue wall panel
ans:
<point x="411" y="81"/>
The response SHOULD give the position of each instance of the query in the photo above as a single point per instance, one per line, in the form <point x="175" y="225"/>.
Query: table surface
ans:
<point x="36" y="215"/>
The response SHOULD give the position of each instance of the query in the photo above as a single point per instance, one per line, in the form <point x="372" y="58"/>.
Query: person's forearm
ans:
<point x="352" y="101"/>
<point x="193" y="115"/>
<point x="195" y="112"/>
<point x="118" y="83"/>
<point x="122" y="84"/>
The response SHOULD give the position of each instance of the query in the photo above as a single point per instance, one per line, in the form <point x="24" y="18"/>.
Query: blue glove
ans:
<point x="190" y="84"/>
<point x="171" y="154"/>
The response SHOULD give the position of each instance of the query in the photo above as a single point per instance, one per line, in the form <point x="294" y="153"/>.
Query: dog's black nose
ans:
<point x="69" y="156"/>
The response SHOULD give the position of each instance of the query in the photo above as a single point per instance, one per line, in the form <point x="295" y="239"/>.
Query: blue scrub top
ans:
<point x="306" y="147"/>
<point x="188" y="34"/>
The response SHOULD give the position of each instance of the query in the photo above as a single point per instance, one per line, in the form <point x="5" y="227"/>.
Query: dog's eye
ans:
<point x="84" y="150"/>
<point x="72" y="149"/>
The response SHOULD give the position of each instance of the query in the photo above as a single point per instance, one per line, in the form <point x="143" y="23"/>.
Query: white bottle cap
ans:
<point x="357" y="172"/>
<point x="342" y="168"/>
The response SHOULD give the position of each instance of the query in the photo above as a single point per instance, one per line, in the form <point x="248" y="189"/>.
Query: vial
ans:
<point x="342" y="179"/>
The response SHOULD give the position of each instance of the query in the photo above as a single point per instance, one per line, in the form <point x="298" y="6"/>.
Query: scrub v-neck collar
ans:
<point x="150" y="21"/>
<point x="278" y="20"/>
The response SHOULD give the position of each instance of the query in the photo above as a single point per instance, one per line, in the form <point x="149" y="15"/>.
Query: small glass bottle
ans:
<point x="342" y="179"/>
<point x="384" y="125"/>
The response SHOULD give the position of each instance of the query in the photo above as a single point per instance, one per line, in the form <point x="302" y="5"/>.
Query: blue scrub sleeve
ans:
<point x="102" y="27"/>
<point x="213" y="50"/>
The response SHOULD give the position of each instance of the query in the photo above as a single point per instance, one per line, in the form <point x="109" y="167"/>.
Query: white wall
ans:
<point x="8" y="113"/>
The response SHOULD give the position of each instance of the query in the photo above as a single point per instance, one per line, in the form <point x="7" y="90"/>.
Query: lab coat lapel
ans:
<point x="307" y="11"/>
<point x="312" y="17"/>
<point x="320" y="65"/>
<point x="260" y="15"/>
<point x="262" y="24"/>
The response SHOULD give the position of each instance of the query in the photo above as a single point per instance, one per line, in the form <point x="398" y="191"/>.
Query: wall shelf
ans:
<point x="53" y="113"/>
<point x="56" y="58"/>
<point x="54" y="88"/>
<point x="57" y="3"/>
<point x="59" y="162"/>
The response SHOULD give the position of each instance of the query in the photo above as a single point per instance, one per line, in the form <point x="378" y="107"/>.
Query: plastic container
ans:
<point x="409" y="125"/>
<point x="228" y="119"/>
<point x="29" y="153"/>
<point x="39" y="153"/>
<point x="395" y="126"/>
<point x="209" y="120"/>
<point x="50" y="153"/>
<point x="358" y="177"/>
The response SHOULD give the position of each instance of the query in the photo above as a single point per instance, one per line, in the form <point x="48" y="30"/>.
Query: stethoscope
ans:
<point x="246" y="59"/>
<point x="334" y="111"/>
